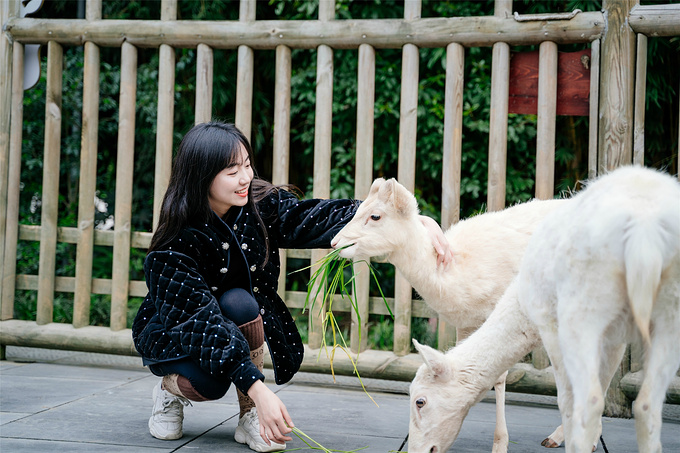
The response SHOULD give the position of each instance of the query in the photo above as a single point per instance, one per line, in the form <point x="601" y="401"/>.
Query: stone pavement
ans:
<point x="60" y="401"/>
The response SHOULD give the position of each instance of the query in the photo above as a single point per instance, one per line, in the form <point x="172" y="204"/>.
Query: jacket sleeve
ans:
<point x="192" y="318"/>
<point x="307" y="224"/>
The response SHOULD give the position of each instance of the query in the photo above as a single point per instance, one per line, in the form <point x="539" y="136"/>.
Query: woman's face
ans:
<point x="230" y="186"/>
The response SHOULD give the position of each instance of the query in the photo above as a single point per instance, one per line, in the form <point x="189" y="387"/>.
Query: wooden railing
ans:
<point x="618" y="52"/>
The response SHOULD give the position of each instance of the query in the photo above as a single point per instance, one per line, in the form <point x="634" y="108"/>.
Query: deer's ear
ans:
<point x="435" y="361"/>
<point x="386" y="189"/>
<point x="403" y="200"/>
<point x="376" y="186"/>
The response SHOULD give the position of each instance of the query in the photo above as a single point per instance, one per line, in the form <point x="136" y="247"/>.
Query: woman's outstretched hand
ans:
<point x="275" y="423"/>
<point x="439" y="241"/>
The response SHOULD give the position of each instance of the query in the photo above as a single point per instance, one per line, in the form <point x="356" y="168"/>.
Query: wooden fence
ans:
<point x="617" y="38"/>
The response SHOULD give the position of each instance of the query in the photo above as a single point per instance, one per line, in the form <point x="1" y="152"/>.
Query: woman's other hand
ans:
<point x="439" y="241"/>
<point x="275" y="423"/>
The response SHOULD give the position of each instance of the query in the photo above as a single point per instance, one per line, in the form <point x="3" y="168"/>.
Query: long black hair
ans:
<point x="206" y="150"/>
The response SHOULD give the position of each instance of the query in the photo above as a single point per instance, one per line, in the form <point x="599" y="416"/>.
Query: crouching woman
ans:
<point x="212" y="272"/>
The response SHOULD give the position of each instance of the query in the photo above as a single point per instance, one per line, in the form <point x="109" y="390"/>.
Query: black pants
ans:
<point x="238" y="306"/>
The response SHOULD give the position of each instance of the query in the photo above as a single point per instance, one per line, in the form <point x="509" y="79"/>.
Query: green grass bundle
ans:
<point x="324" y="284"/>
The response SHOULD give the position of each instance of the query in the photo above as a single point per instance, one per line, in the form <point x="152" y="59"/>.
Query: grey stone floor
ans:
<point x="59" y="401"/>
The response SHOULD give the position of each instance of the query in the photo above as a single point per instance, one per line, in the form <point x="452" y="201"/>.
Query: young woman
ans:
<point x="212" y="271"/>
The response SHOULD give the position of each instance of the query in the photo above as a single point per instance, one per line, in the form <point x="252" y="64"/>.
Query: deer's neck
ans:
<point x="502" y="341"/>
<point x="417" y="259"/>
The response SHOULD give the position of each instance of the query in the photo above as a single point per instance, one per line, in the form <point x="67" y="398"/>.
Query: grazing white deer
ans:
<point x="448" y="384"/>
<point x="487" y="250"/>
<point x="600" y="272"/>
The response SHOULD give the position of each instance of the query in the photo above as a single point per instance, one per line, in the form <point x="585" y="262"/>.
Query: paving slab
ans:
<point x="76" y="402"/>
<point x="51" y="446"/>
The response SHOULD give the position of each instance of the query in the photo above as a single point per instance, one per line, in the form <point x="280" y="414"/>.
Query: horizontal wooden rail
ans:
<point x="631" y="382"/>
<point x="655" y="20"/>
<point x="339" y="34"/>
<point x="370" y="363"/>
<point x="294" y="299"/>
<point x="66" y="337"/>
<point x="140" y="239"/>
<point x="522" y="377"/>
<point x="375" y="364"/>
<point x="376" y="305"/>
<point x="68" y="285"/>
<point x="70" y="235"/>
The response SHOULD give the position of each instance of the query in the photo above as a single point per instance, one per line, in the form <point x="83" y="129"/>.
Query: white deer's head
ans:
<point x="380" y="224"/>
<point x="441" y="395"/>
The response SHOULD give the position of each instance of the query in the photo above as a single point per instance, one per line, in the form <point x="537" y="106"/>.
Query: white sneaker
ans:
<point x="248" y="432"/>
<point x="167" y="415"/>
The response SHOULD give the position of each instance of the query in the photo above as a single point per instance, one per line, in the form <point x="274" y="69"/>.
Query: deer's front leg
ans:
<point x="500" y="437"/>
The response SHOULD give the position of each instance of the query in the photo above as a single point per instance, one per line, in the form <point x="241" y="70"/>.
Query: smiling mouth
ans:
<point x="242" y="193"/>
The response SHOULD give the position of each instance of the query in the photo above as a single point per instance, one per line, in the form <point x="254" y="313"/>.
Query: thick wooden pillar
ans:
<point x="615" y="140"/>
<point x="617" y="84"/>
<point x="7" y="9"/>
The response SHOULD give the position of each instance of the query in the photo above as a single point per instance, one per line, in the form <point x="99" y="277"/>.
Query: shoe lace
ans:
<point x="172" y="403"/>
<point x="252" y="419"/>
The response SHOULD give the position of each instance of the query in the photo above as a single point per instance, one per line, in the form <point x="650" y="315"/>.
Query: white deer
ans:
<point x="448" y="384"/>
<point x="600" y="272"/>
<point x="487" y="250"/>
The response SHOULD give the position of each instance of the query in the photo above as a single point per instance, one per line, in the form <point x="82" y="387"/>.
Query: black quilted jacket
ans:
<point x="180" y="316"/>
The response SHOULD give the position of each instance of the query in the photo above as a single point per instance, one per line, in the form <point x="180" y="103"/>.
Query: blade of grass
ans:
<point x="375" y="278"/>
<point x="302" y="436"/>
<point x="345" y="349"/>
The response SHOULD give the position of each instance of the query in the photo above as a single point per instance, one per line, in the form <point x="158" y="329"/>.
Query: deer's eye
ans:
<point x="375" y="217"/>
<point x="420" y="402"/>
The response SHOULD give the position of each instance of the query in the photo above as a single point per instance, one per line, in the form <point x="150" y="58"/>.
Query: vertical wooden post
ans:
<point x="452" y="157"/>
<point x="498" y="115"/>
<point x="362" y="184"/>
<point x="545" y="145"/>
<point x="50" y="193"/>
<point x="120" y="281"/>
<point x="166" y="113"/>
<point x="453" y="134"/>
<point x="322" y="152"/>
<point x="8" y="284"/>
<point x="593" y="115"/>
<point x="547" y="115"/>
<point x="640" y="94"/>
<point x="615" y="142"/>
<point x="88" y="175"/>
<point x="282" y="91"/>
<point x="281" y="151"/>
<point x="408" y="127"/>
<point x="7" y="9"/>
<point x="244" y="75"/>
<point x="204" y="84"/>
